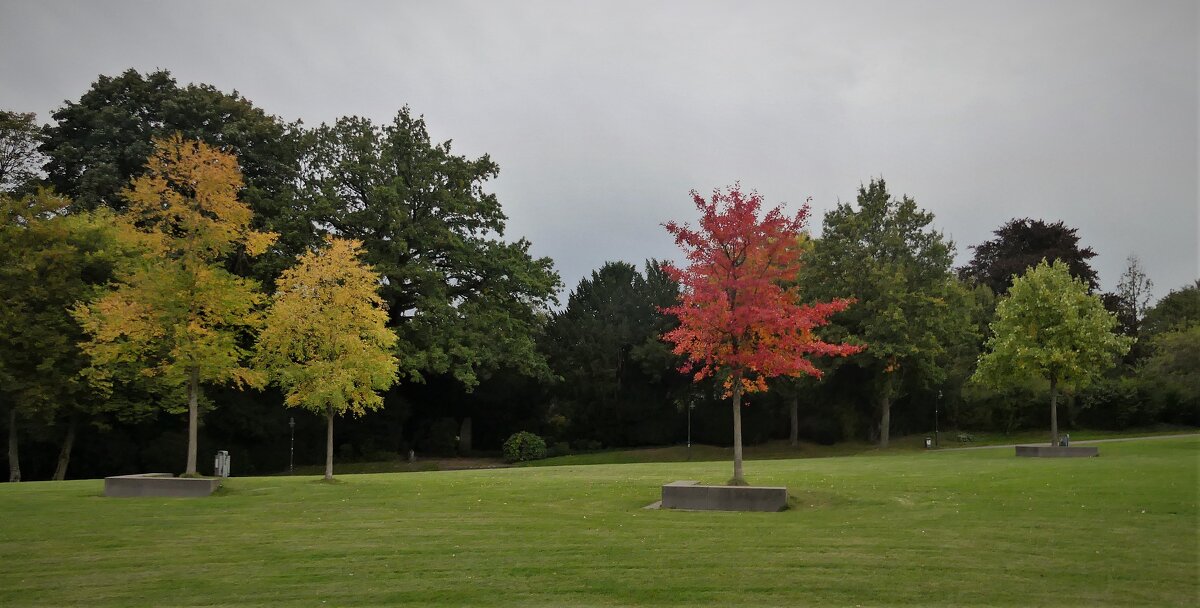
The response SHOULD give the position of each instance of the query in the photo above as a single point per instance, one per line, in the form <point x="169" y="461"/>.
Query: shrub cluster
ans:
<point x="524" y="446"/>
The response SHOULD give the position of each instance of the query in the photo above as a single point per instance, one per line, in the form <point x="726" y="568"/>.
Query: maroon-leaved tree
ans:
<point x="740" y="315"/>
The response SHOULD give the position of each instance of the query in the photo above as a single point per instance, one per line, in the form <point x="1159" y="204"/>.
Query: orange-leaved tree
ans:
<point x="180" y="317"/>
<point x="740" y="315"/>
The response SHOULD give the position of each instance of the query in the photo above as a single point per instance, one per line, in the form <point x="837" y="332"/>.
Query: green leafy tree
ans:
<point x="1177" y="310"/>
<point x="180" y="317"/>
<point x="50" y="261"/>
<point x="1171" y="374"/>
<point x="462" y="301"/>
<point x="326" y="341"/>
<point x="911" y="310"/>
<point x="20" y="161"/>
<point x="1050" y="328"/>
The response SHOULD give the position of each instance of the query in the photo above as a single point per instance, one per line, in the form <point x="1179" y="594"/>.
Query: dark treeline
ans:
<point x="485" y="348"/>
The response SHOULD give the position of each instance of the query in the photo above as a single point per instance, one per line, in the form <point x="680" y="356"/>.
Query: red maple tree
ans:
<point x="740" y="315"/>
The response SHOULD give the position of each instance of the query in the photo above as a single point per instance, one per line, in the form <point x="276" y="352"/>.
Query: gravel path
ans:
<point x="1073" y="442"/>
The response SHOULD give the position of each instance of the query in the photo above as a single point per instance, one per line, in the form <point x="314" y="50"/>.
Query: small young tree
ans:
<point x="180" y="317"/>
<point x="736" y="320"/>
<point x="326" y="340"/>
<point x="1049" y="327"/>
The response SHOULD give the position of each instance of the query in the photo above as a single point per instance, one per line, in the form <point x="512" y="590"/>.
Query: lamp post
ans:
<point x="292" y="447"/>
<point x="691" y="406"/>
<point x="936" y="439"/>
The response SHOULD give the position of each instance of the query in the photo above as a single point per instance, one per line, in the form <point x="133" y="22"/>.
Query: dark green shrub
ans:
<point x="524" y="446"/>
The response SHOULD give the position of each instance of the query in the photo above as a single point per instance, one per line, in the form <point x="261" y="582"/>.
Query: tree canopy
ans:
<point x="325" y="339"/>
<point x="606" y="348"/>
<point x="50" y="260"/>
<point x="1022" y="243"/>
<point x="737" y="320"/>
<point x="180" y="317"/>
<point x="20" y="161"/>
<point x="462" y="300"/>
<point x="910" y="309"/>
<point x="100" y="142"/>
<point x="1049" y="327"/>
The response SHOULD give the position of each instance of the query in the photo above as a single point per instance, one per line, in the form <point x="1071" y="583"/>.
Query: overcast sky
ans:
<point x="603" y="115"/>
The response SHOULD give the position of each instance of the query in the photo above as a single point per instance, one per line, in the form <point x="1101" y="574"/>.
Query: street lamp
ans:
<point x="936" y="439"/>
<point x="292" y="448"/>
<point x="691" y="406"/>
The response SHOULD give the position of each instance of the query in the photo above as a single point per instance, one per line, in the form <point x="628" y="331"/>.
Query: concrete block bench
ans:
<point x="159" y="484"/>
<point x="691" y="495"/>
<point x="1052" y="451"/>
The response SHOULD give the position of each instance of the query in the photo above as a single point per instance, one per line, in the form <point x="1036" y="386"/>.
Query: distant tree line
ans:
<point x="480" y="346"/>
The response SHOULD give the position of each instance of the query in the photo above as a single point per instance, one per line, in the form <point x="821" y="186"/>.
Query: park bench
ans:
<point x="965" y="438"/>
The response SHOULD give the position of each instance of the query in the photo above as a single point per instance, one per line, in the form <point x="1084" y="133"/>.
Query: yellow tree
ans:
<point x="179" y="317"/>
<point x="326" y="340"/>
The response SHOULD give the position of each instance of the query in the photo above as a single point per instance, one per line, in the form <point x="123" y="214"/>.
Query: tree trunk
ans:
<point x="14" y="461"/>
<point x="193" y="419"/>
<point x="464" y="437"/>
<point x="794" y="436"/>
<point x="739" y="479"/>
<point x="329" y="444"/>
<point x="885" y="422"/>
<point x="885" y="410"/>
<point x="1053" y="411"/>
<point x="64" y="455"/>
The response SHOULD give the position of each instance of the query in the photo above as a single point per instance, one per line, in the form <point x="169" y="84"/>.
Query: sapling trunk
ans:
<point x="739" y="479"/>
<point x="1053" y="411"/>
<point x="329" y="444"/>
<point x="193" y="419"/>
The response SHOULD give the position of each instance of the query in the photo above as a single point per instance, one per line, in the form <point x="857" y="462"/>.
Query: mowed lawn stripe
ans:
<point x="977" y="527"/>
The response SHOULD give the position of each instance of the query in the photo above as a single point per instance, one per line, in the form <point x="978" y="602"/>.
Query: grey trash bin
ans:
<point x="221" y="464"/>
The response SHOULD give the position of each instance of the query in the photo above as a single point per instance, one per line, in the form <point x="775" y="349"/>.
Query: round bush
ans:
<point x="524" y="446"/>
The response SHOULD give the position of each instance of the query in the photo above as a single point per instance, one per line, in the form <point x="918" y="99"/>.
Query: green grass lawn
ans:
<point x="781" y="449"/>
<point x="964" y="528"/>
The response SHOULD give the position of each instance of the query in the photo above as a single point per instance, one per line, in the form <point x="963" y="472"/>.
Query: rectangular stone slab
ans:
<point x="1047" y="451"/>
<point x="691" y="495"/>
<point x="160" y="485"/>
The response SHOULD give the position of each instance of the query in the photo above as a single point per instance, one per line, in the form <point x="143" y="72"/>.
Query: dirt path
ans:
<point x="1073" y="442"/>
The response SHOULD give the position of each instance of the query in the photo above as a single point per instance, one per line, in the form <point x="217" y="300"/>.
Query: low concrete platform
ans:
<point x="160" y="485"/>
<point x="1051" y="451"/>
<point x="692" y="495"/>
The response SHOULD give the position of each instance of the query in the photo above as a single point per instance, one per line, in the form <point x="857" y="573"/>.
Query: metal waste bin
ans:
<point x="221" y="464"/>
<point x="1065" y="440"/>
<point x="928" y="443"/>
